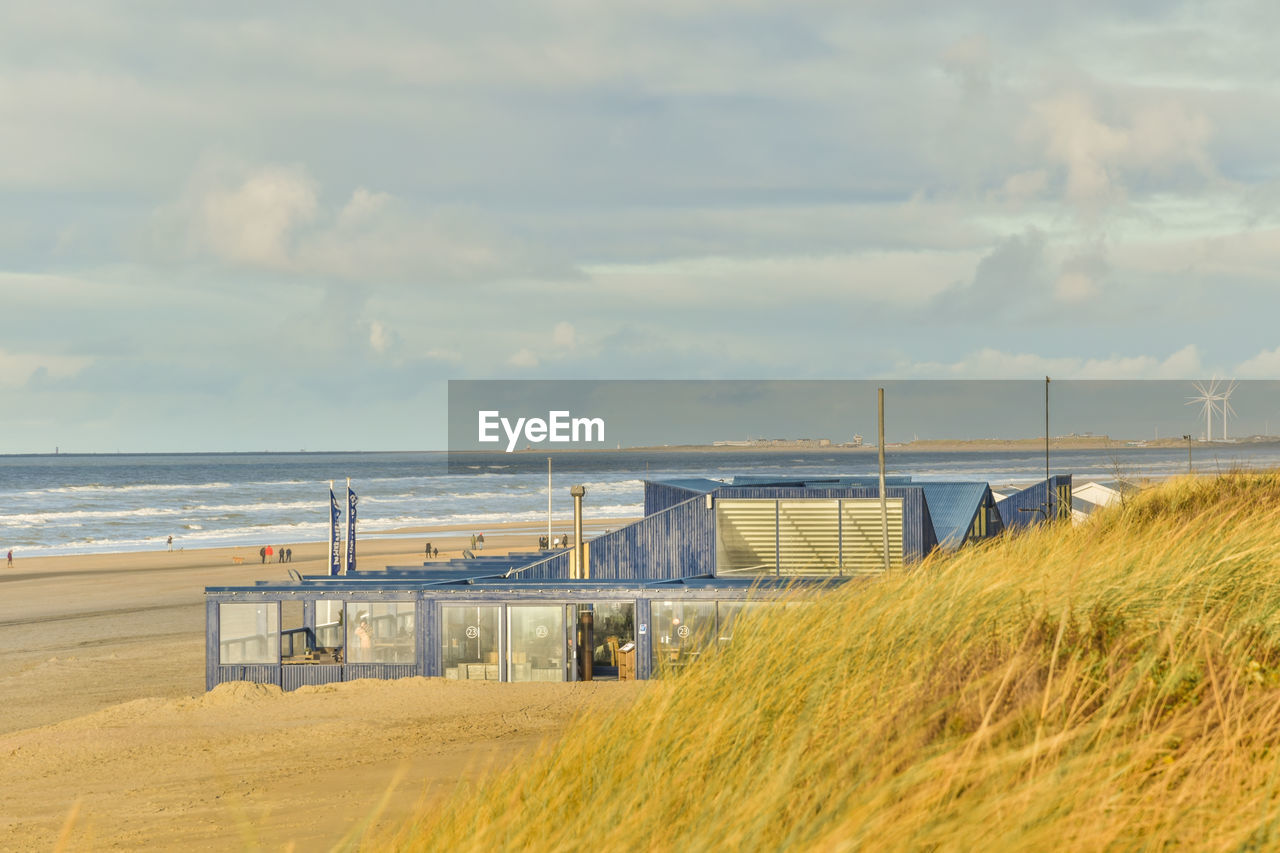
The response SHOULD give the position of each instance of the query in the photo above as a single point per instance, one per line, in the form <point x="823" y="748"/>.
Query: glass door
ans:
<point x="469" y="642"/>
<point x="536" y="643"/>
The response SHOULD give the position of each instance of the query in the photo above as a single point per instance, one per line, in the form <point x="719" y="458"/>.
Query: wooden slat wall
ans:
<point x="1024" y="508"/>
<point x="674" y="543"/>
<point x="678" y="542"/>
<point x="660" y="496"/>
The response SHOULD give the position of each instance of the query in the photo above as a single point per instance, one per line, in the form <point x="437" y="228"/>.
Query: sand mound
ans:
<point x="239" y="693"/>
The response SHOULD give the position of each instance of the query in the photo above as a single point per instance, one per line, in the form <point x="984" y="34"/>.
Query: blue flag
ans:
<point x="335" y="543"/>
<point x="351" y="529"/>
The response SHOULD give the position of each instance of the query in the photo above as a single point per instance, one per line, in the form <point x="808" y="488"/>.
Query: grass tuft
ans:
<point x="1111" y="685"/>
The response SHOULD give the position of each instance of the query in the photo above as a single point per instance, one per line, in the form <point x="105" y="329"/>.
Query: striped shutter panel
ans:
<point x="809" y="537"/>
<point x="864" y="535"/>
<point x="746" y="537"/>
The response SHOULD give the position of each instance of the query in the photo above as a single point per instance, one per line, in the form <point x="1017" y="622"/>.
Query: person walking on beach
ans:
<point x="171" y="542"/>
<point x="288" y="555"/>
<point x="11" y="558"/>
<point x="428" y="550"/>
<point x="473" y="541"/>
<point x="262" y="552"/>
<point x="480" y="542"/>
<point x="280" y="552"/>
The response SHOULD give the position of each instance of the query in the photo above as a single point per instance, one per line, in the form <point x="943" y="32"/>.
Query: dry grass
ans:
<point x="1111" y="686"/>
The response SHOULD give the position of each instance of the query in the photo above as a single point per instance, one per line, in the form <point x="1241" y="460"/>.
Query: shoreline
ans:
<point x="945" y="445"/>
<point x="450" y="539"/>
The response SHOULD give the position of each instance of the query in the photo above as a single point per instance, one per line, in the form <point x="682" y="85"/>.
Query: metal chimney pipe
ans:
<point x="578" y="551"/>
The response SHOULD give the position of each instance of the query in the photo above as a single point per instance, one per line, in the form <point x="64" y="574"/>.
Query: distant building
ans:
<point x="649" y="597"/>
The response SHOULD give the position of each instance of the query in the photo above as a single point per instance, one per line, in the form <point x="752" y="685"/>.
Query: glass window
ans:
<point x="729" y="611"/>
<point x="614" y="625"/>
<point x="330" y="633"/>
<point x="249" y="632"/>
<point x="537" y="643"/>
<point x="469" y="642"/>
<point x="294" y="642"/>
<point x="380" y="631"/>
<point x="682" y="631"/>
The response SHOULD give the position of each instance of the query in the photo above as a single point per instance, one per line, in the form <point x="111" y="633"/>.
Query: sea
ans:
<point x="85" y="504"/>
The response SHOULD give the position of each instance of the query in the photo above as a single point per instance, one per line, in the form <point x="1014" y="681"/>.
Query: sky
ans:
<point x="239" y="227"/>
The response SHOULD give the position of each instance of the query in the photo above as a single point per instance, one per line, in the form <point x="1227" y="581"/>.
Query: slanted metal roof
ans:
<point x="692" y="484"/>
<point x="838" y="482"/>
<point x="952" y="507"/>
<point x="515" y="587"/>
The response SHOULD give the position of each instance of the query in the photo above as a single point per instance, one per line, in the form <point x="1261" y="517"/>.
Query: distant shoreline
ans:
<point x="975" y="445"/>
<point x="940" y="445"/>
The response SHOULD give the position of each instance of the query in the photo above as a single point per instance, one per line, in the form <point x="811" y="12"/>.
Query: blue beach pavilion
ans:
<point x="649" y="598"/>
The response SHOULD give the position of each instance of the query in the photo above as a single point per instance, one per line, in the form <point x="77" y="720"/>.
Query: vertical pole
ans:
<point x="1048" y="488"/>
<point x="347" y="500"/>
<point x="548" y="501"/>
<point x="884" y="502"/>
<point x="1046" y="429"/>
<point x="579" y="553"/>
<point x="1188" y="438"/>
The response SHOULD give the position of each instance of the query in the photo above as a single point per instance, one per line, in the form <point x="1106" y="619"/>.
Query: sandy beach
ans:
<point x="110" y="741"/>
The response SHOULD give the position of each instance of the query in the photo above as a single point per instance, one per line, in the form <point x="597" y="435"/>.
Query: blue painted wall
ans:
<point x="1029" y="506"/>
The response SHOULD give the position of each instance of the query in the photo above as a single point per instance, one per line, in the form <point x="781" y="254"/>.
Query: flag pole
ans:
<point x="548" y="501"/>
<point x="333" y="532"/>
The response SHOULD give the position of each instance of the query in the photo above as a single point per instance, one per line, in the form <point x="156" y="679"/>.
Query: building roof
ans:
<point x="821" y="482"/>
<point x="692" y="484"/>
<point x="952" y="507"/>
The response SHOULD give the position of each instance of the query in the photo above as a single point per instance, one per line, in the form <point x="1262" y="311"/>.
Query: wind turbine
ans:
<point x="1208" y="401"/>
<point x="1225" y="397"/>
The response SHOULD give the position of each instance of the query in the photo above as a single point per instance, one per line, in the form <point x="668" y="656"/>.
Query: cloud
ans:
<point x="564" y="335"/>
<point x="1013" y="274"/>
<point x="524" y="357"/>
<point x="900" y="278"/>
<point x="1264" y="365"/>
<point x="1081" y="277"/>
<point x="1099" y="158"/>
<point x="1024" y="185"/>
<point x="18" y="368"/>
<point x="969" y="61"/>
<point x="274" y="218"/>
<point x="362" y="206"/>
<point x="989" y="363"/>
<point x="380" y="337"/>
<point x="254" y="222"/>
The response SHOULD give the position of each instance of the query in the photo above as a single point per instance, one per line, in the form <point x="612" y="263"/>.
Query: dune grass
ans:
<point x="1115" y="685"/>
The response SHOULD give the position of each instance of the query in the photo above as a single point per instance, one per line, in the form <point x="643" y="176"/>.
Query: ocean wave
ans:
<point x="131" y="487"/>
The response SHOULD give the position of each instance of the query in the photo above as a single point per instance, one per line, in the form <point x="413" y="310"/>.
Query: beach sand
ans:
<point x="108" y="736"/>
